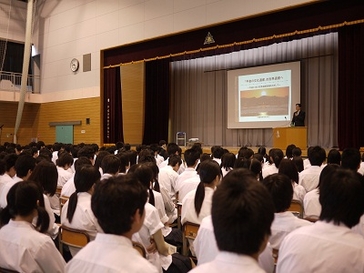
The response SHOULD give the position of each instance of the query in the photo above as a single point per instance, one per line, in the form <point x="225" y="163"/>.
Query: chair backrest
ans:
<point x="311" y="219"/>
<point x="296" y="208"/>
<point x="62" y="200"/>
<point x="189" y="232"/>
<point x="275" y="253"/>
<point x="140" y="248"/>
<point x="58" y="191"/>
<point x="72" y="237"/>
<point x="179" y="210"/>
<point x="5" y="270"/>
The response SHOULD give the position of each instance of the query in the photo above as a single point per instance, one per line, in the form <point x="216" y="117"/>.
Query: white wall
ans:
<point x="69" y="29"/>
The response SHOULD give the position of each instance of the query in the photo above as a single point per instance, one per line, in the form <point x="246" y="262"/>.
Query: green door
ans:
<point x="64" y="134"/>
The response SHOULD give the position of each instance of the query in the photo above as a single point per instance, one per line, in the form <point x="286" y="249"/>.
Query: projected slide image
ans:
<point x="262" y="103"/>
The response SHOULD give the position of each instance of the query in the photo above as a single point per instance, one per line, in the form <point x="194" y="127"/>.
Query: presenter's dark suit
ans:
<point x="299" y="119"/>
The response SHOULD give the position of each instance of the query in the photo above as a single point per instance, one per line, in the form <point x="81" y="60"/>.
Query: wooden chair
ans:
<point x="179" y="209"/>
<point x="296" y="208"/>
<point x="62" y="200"/>
<point x="58" y="191"/>
<point x="189" y="233"/>
<point x="140" y="248"/>
<point x="72" y="237"/>
<point x="311" y="219"/>
<point x="5" y="270"/>
<point x="275" y="253"/>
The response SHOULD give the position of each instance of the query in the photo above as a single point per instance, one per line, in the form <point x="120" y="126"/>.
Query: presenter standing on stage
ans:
<point x="298" y="118"/>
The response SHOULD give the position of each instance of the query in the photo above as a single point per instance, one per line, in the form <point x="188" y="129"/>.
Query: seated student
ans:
<point x="22" y="247"/>
<point x="24" y="166"/>
<point x="69" y="187"/>
<point x="9" y="161"/>
<point x="242" y="212"/>
<point x="350" y="159"/>
<point x="118" y="204"/>
<point x="311" y="203"/>
<point x="289" y="168"/>
<point x="45" y="174"/>
<point x="275" y="156"/>
<point x="334" y="157"/>
<point x="197" y="204"/>
<point x="76" y="212"/>
<point x="64" y="163"/>
<point x="284" y="221"/>
<point x="227" y="163"/>
<point x="329" y="245"/>
<point x="168" y="175"/>
<point x="110" y="166"/>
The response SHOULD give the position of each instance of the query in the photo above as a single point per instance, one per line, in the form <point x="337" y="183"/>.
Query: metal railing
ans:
<point x="10" y="81"/>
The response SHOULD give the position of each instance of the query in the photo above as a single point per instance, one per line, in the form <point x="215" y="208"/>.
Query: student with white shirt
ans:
<point x="309" y="177"/>
<point x="276" y="156"/>
<point x="76" y="212"/>
<point x="45" y="174"/>
<point x="64" y="163"/>
<point x="192" y="156"/>
<point x="168" y="175"/>
<point x="329" y="245"/>
<point x="280" y="187"/>
<point x="110" y="166"/>
<point x="242" y="213"/>
<point x="22" y="247"/>
<point x="197" y="203"/>
<point x="118" y="204"/>
<point x="9" y="161"/>
<point x="227" y="163"/>
<point x="289" y="168"/>
<point x="24" y="166"/>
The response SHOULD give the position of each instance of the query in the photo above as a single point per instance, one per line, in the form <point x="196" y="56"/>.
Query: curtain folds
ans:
<point x="112" y="106"/>
<point x="156" y="101"/>
<point x="351" y="86"/>
<point x="199" y="92"/>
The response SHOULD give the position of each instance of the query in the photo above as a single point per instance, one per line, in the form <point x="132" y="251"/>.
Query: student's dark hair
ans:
<point x="124" y="161"/>
<point x="296" y="151"/>
<point x="144" y="174"/>
<point x="208" y="171"/>
<point x="63" y="159"/>
<point x="22" y="200"/>
<point x="317" y="156"/>
<point x="110" y="164"/>
<point x="23" y="164"/>
<point x="242" y="211"/>
<point x="341" y="197"/>
<point x="87" y="151"/>
<point x="84" y="179"/>
<point x="350" y="159"/>
<point x="174" y="160"/>
<point x="155" y="170"/>
<point x="82" y="161"/>
<point x="245" y="152"/>
<point x="228" y="161"/>
<point x="172" y="148"/>
<point x="277" y="155"/>
<point x="100" y="156"/>
<point x="46" y="153"/>
<point x="259" y="157"/>
<point x="298" y="161"/>
<point x="197" y="147"/>
<point x="115" y="202"/>
<point x="40" y="144"/>
<point x="132" y="154"/>
<point x="242" y="162"/>
<point x="262" y="150"/>
<point x="218" y="152"/>
<point x="191" y="156"/>
<point x="10" y="160"/>
<point x="329" y="168"/>
<point x="334" y="157"/>
<point x="146" y="155"/>
<point x="280" y="187"/>
<point x="289" y="168"/>
<point x="46" y="175"/>
<point x="256" y="168"/>
<point x="289" y="150"/>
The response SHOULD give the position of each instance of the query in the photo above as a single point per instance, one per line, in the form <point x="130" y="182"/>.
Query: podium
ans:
<point x="284" y="136"/>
